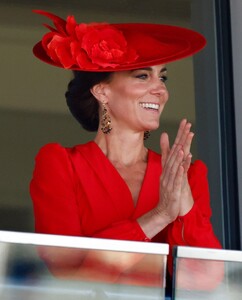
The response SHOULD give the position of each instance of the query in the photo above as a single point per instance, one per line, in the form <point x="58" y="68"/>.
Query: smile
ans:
<point x="150" y="105"/>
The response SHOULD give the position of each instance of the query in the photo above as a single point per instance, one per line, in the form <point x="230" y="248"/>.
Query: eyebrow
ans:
<point x="150" y="69"/>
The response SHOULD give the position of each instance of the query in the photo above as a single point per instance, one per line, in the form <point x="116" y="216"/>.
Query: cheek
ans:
<point x="165" y="96"/>
<point x="123" y="95"/>
<point x="116" y="92"/>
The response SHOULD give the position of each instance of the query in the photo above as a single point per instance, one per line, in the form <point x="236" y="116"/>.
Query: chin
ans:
<point x="152" y="128"/>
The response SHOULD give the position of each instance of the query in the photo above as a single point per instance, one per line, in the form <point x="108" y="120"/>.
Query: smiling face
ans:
<point x="136" y="98"/>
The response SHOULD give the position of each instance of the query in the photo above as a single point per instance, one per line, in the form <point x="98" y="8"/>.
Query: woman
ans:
<point x="114" y="187"/>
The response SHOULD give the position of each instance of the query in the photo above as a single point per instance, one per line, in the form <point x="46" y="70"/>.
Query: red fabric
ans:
<point x="113" y="47"/>
<point x="77" y="191"/>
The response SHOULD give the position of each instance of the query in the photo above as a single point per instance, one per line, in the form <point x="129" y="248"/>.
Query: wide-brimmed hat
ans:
<point x="103" y="47"/>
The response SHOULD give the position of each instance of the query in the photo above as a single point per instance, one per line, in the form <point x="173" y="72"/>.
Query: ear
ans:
<point x="99" y="92"/>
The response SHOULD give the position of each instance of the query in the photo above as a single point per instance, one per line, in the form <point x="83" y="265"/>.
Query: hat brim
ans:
<point x="155" y="44"/>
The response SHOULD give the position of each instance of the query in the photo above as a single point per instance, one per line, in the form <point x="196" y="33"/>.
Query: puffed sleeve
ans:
<point x="195" y="228"/>
<point x="52" y="190"/>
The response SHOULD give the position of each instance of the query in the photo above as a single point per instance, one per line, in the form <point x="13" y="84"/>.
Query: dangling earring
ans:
<point x="146" y="135"/>
<point x="105" y="121"/>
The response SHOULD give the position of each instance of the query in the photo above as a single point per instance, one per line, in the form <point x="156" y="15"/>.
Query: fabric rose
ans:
<point x="106" y="46"/>
<point x="88" y="46"/>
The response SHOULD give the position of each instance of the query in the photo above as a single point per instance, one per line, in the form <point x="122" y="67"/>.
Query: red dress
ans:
<point x="78" y="192"/>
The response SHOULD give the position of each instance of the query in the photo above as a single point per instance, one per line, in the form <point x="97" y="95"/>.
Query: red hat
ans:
<point x="102" y="47"/>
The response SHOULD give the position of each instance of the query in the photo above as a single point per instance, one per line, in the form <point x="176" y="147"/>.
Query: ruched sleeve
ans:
<point x="52" y="190"/>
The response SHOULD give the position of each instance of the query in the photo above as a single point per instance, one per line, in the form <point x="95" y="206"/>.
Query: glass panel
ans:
<point x="38" y="270"/>
<point x="207" y="274"/>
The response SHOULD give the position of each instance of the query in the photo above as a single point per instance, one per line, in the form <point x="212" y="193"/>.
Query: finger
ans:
<point x="178" y="137"/>
<point x="184" y="133"/>
<point x="174" y="169"/>
<point x="172" y="165"/>
<point x="187" y="162"/>
<point x="188" y="143"/>
<point x="186" y="138"/>
<point x="170" y="160"/>
<point x="175" y="147"/>
<point x="165" y="147"/>
<point x="180" y="131"/>
<point x="178" y="181"/>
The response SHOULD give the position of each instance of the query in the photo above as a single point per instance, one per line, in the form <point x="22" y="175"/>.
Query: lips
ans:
<point x="147" y="105"/>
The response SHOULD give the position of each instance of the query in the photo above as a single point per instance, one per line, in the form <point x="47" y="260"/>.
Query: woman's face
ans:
<point x="135" y="99"/>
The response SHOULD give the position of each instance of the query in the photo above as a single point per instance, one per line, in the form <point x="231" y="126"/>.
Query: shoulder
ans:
<point x="53" y="159"/>
<point x="53" y="155"/>
<point x="50" y="149"/>
<point x="51" y="152"/>
<point x="55" y="151"/>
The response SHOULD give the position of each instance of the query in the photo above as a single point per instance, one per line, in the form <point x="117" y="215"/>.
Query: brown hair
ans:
<point x="81" y="102"/>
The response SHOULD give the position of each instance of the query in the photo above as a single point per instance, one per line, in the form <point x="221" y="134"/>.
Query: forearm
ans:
<point x="153" y="222"/>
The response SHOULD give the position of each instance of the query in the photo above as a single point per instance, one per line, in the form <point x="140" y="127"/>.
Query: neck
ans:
<point x="126" y="149"/>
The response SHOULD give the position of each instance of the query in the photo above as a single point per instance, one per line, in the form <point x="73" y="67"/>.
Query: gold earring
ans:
<point x="146" y="135"/>
<point x="105" y="121"/>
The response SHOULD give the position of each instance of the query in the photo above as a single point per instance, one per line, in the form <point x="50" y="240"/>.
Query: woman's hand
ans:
<point x="175" y="194"/>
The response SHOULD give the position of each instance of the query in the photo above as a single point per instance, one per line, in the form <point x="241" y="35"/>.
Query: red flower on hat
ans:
<point x="85" y="45"/>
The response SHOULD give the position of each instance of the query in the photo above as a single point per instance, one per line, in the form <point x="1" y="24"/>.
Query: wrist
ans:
<point x="153" y="222"/>
<point x="187" y="201"/>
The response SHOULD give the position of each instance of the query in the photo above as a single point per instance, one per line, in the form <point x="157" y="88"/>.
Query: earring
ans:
<point x="146" y="135"/>
<point x="105" y="121"/>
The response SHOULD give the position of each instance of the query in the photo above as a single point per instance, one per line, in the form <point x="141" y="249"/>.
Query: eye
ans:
<point x="142" y="76"/>
<point x="163" y="78"/>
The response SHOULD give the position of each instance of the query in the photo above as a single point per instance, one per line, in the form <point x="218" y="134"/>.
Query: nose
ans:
<point x="158" y="88"/>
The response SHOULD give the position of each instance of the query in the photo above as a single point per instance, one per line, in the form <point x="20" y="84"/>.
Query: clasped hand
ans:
<point x="175" y="193"/>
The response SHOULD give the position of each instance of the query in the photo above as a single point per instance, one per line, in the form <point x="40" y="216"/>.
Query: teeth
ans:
<point x="150" y="105"/>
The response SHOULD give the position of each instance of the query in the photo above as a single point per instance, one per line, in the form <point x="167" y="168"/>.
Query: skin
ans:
<point x="124" y="146"/>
